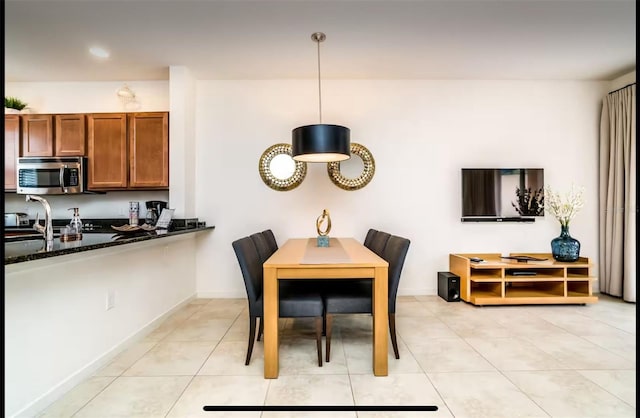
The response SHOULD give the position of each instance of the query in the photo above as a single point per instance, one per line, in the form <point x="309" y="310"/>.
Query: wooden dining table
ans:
<point x="345" y="258"/>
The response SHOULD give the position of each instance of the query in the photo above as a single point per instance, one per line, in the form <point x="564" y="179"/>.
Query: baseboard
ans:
<point x="417" y="291"/>
<point x="222" y="295"/>
<point x="40" y="404"/>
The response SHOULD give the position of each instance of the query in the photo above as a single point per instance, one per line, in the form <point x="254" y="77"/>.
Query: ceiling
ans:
<point x="48" y="40"/>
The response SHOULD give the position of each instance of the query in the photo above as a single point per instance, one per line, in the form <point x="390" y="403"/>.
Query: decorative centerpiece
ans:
<point x="565" y="247"/>
<point x="323" y="235"/>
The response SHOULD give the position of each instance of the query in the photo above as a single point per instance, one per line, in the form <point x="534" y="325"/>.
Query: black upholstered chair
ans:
<point x="378" y="242"/>
<point x="271" y="240"/>
<point x="355" y="296"/>
<point x="294" y="301"/>
<point x="371" y="233"/>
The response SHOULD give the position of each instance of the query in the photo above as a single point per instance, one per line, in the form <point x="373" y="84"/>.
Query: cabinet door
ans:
<point x="149" y="150"/>
<point x="70" y="135"/>
<point x="37" y="136"/>
<point x="107" y="151"/>
<point x="11" y="150"/>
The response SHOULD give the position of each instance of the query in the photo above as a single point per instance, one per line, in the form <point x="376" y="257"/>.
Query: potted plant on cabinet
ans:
<point x="13" y="105"/>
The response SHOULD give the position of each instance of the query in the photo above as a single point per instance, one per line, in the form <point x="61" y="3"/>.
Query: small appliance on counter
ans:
<point x="16" y="219"/>
<point x="73" y="231"/>
<point x="154" y="210"/>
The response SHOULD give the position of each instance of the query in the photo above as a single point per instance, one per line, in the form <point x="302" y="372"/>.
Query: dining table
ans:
<point x="344" y="258"/>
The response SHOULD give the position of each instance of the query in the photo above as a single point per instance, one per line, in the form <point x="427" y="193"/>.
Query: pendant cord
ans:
<point x="319" y="85"/>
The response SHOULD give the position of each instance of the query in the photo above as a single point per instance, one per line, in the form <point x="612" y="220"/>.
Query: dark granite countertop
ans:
<point x="19" y="251"/>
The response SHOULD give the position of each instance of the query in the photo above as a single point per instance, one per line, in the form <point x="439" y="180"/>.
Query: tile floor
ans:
<point x="506" y="361"/>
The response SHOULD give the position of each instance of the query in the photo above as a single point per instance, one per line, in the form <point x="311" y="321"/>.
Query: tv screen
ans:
<point x="502" y="194"/>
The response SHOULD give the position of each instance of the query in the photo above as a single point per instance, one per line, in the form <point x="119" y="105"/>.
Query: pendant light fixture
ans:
<point x="320" y="143"/>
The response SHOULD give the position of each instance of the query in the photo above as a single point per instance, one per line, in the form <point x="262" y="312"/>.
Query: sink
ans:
<point x="23" y="246"/>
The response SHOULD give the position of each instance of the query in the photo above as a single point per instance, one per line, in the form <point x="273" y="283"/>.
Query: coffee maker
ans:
<point x="154" y="209"/>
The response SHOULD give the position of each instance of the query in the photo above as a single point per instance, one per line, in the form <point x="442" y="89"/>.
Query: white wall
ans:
<point x="89" y="97"/>
<point x="57" y="329"/>
<point x="421" y="133"/>
<point x="92" y="206"/>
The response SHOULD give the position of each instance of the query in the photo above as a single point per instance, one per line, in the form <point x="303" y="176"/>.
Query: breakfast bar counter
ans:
<point x="19" y="251"/>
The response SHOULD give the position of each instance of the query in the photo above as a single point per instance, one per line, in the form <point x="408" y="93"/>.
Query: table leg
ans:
<point x="380" y="322"/>
<point x="270" y="317"/>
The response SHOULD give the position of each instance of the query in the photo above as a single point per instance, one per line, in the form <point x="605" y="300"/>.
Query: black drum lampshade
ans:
<point x="321" y="143"/>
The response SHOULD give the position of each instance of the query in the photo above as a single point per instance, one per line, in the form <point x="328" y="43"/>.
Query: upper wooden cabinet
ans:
<point x="148" y="150"/>
<point x="128" y="151"/>
<point x="37" y="135"/>
<point x="53" y="135"/>
<point x="70" y="138"/>
<point x="107" y="151"/>
<point x="11" y="150"/>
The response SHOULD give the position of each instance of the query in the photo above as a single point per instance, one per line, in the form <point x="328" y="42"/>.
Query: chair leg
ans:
<point x="252" y="336"/>
<point x="329" y="321"/>
<point x="261" y="328"/>
<point x="324" y="324"/>
<point x="319" y="339"/>
<point x="392" y="331"/>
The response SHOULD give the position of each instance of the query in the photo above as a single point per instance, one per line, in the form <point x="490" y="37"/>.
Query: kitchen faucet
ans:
<point x="47" y="229"/>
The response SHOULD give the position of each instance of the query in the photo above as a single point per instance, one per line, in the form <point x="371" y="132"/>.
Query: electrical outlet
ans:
<point x="111" y="299"/>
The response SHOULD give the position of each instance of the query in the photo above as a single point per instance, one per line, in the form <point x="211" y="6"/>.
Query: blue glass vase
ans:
<point x="565" y="247"/>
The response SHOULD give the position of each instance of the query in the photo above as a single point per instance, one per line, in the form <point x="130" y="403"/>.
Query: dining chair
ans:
<point x="378" y="242"/>
<point x="371" y="233"/>
<point x="356" y="296"/>
<point x="294" y="301"/>
<point x="271" y="239"/>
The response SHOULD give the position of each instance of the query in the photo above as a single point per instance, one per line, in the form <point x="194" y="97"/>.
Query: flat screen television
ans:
<point x="502" y="194"/>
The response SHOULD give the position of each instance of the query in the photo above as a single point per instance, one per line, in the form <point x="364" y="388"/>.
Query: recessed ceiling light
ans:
<point x="99" y="52"/>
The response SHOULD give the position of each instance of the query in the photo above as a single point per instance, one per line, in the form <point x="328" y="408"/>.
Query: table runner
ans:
<point x="333" y="254"/>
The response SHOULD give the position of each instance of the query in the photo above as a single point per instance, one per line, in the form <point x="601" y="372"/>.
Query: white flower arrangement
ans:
<point x="564" y="210"/>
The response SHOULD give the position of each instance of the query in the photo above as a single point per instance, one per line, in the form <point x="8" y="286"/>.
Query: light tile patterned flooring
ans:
<point x="506" y="361"/>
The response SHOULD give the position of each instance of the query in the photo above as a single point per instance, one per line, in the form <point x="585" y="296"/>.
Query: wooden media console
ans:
<point x="503" y="281"/>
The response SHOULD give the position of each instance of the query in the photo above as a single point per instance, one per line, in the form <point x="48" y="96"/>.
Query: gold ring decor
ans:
<point x="363" y="179"/>
<point x="324" y="217"/>
<point x="266" y="171"/>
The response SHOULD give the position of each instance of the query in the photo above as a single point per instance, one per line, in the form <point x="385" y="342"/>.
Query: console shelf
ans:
<point x="500" y="281"/>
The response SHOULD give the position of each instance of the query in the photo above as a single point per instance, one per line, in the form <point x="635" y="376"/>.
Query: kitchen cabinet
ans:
<point x="128" y="151"/>
<point x="11" y="150"/>
<point x="107" y="151"/>
<point x="53" y="135"/>
<point x="37" y="136"/>
<point x="148" y="150"/>
<point x="69" y="134"/>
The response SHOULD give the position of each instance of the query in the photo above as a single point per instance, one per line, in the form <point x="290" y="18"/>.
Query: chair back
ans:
<point x="378" y="242"/>
<point x="251" y="268"/>
<point x="394" y="253"/>
<point x="262" y="245"/>
<point x="271" y="240"/>
<point x="369" y="238"/>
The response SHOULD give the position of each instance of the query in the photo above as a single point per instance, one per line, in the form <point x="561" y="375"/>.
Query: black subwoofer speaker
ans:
<point x="449" y="286"/>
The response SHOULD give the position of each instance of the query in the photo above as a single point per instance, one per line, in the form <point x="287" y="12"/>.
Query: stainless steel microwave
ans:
<point x="51" y="175"/>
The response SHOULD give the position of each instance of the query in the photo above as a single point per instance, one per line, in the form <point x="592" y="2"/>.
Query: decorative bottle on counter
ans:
<point x="73" y="231"/>
<point x="134" y="208"/>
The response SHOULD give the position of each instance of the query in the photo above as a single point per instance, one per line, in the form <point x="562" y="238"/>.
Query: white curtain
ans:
<point x="618" y="205"/>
